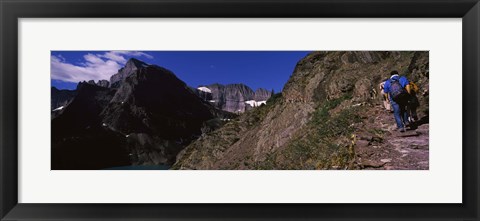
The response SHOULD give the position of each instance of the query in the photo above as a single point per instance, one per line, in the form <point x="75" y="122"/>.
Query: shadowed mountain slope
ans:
<point x="145" y="120"/>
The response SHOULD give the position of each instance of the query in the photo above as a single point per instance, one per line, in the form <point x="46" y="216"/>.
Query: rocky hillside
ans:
<point x="328" y="116"/>
<point x="234" y="98"/>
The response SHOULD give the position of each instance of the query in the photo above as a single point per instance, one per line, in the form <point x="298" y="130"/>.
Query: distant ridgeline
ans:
<point x="144" y="115"/>
<point x="234" y="98"/>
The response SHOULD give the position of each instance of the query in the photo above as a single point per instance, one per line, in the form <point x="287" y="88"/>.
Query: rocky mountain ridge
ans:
<point x="234" y="98"/>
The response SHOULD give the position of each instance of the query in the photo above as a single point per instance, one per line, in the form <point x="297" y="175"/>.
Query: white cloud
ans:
<point x="135" y="54"/>
<point x="61" y="57"/>
<point x="93" y="59"/>
<point x="115" y="57"/>
<point x="118" y="56"/>
<point x="94" y="67"/>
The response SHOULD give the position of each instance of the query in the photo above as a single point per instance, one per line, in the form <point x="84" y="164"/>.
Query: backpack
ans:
<point x="414" y="87"/>
<point x="397" y="92"/>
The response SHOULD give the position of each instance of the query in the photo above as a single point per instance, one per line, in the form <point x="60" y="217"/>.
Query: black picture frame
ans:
<point x="12" y="10"/>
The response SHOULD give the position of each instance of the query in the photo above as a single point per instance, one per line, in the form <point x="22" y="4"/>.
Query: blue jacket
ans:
<point x="403" y="81"/>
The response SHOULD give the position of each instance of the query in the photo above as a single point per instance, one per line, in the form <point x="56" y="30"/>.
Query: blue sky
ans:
<point x="257" y="69"/>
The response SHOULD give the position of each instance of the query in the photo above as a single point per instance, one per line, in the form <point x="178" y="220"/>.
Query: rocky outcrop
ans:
<point x="130" y="67"/>
<point x="100" y="83"/>
<point x="103" y="83"/>
<point x="234" y="98"/>
<point x="313" y="123"/>
<point x="262" y="94"/>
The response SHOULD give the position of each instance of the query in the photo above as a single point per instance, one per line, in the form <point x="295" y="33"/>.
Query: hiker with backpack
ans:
<point x="413" y="102"/>
<point x="396" y="89"/>
<point x="386" y="101"/>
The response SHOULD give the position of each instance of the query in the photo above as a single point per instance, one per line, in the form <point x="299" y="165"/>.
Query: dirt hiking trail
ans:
<point x="379" y="146"/>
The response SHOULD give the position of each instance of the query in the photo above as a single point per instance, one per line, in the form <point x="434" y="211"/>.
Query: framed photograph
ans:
<point x="319" y="110"/>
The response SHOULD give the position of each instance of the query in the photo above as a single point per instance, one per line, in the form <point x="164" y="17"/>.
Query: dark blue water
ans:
<point x="140" y="167"/>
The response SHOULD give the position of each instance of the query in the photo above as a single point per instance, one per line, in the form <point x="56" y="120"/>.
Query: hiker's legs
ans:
<point x="404" y="113"/>
<point x="397" y="113"/>
<point x="386" y="104"/>
<point x="414" y="113"/>
<point x="413" y="107"/>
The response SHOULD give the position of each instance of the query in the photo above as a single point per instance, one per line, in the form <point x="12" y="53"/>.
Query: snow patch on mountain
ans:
<point x="205" y="89"/>
<point x="255" y="103"/>
<point x="59" y="108"/>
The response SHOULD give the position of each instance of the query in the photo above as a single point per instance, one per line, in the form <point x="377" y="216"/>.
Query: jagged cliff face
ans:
<point x="130" y="67"/>
<point x="262" y="94"/>
<point x="312" y="124"/>
<point x="234" y="98"/>
<point x="100" y="83"/>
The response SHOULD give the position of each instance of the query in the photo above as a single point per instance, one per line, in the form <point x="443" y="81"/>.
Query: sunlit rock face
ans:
<point x="234" y="98"/>
<point x="130" y="67"/>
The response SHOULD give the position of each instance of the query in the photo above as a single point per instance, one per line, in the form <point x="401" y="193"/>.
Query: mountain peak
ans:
<point x="130" y="67"/>
<point x="133" y="62"/>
